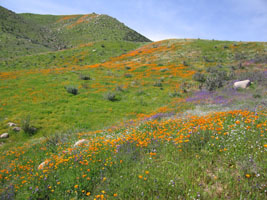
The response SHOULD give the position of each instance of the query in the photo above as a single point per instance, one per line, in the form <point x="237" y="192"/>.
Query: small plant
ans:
<point x="199" y="77"/>
<point x="185" y="63"/>
<point x="158" y="83"/>
<point x="119" y="88"/>
<point x="184" y="87"/>
<point x="27" y="127"/>
<point x="128" y="75"/>
<point x="85" y="77"/>
<point x="175" y="93"/>
<point x="72" y="90"/>
<point x="111" y="96"/>
<point x="164" y="70"/>
<point x="127" y="67"/>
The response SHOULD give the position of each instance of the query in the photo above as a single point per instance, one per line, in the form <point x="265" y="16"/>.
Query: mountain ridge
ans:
<point x="27" y="33"/>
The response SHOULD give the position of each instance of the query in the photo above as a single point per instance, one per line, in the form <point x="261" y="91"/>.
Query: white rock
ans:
<point x="16" y="129"/>
<point x="242" y="84"/>
<point x="43" y="164"/>
<point x="4" y="135"/>
<point x="11" y="124"/>
<point x="79" y="142"/>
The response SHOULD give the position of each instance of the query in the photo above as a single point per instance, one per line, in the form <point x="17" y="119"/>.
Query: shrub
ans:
<point x="184" y="87"/>
<point x="216" y="80"/>
<point x="185" y="63"/>
<point x="111" y="96"/>
<point x="164" y="70"/>
<point x="158" y="83"/>
<point x="85" y="77"/>
<point x="175" y="93"/>
<point x="72" y="90"/>
<point x="128" y="75"/>
<point x="199" y="77"/>
<point x="119" y="88"/>
<point x="27" y="127"/>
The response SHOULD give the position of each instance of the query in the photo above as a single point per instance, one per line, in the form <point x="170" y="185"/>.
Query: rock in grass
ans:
<point x="242" y="84"/>
<point x="11" y="124"/>
<point x="43" y="164"/>
<point x="16" y="129"/>
<point x="79" y="142"/>
<point x="4" y="135"/>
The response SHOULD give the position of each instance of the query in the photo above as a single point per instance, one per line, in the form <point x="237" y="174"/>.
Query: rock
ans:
<point x="43" y="164"/>
<point x="11" y="124"/>
<point x="242" y="84"/>
<point x="79" y="142"/>
<point x="4" y="135"/>
<point x="16" y="129"/>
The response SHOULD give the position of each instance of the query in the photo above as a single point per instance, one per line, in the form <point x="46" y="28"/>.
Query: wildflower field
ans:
<point x="219" y="156"/>
<point x="153" y="122"/>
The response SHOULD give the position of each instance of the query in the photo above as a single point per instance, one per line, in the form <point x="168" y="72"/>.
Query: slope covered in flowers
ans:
<point x="220" y="156"/>
<point x="141" y="81"/>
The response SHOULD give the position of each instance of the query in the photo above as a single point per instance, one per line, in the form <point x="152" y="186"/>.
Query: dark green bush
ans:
<point x="85" y="77"/>
<point x="27" y="127"/>
<point x="216" y="80"/>
<point x="111" y="96"/>
<point x="199" y="77"/>
<point x="72" y="90"/>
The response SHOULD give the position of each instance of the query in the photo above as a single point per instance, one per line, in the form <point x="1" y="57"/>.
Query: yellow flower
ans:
<point x="265" y="145"/>
<point x="248" y="175"/>
<point x="88" y="194"/>
<point x="147" y="172"/>
<point x="76" y="186"/>
<point x="115" y="195"/>
<point x="140" y="176"/>
<point x="58" y="183"/>
<point x="103" y="191"/>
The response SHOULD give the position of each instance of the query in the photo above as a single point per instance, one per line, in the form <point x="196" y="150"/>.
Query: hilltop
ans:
<point x="24" y="34"/>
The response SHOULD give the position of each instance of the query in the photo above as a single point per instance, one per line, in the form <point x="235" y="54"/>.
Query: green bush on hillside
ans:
<point x="72" y="90"/>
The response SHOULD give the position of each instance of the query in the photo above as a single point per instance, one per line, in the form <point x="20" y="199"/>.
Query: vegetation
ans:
<point x="154" y="120"/>
<point x="26" y="34"/>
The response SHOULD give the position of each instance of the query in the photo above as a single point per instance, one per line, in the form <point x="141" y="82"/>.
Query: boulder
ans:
<point x="79" y="142"/>
<point x="16" y="129"/>
<point x="242" y="84"/>
<point x="4" y="135"/>
<point x="11" y="124"/>
<point x="43" y="164"/>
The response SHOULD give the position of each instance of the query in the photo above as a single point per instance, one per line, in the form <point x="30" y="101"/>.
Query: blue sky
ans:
<point x="239" y="20"/>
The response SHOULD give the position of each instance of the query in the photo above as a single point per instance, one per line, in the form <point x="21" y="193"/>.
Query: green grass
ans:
<point x="35" y="85"/>
<point x="132" y="111"/>
<point x="221" y="158"/>
<point x="26" y="34"/>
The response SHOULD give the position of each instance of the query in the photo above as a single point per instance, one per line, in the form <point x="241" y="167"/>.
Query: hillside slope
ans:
<point x="24" y="34"/>
<point x="153" y="78"/>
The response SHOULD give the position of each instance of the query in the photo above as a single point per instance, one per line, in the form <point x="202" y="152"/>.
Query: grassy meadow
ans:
<point x="160" y="121"/>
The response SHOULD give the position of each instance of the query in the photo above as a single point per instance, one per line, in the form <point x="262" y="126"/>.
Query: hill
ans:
<point x="24" y="34"/>
<point x="133" y="84"/>
<point x="112" y="116"/>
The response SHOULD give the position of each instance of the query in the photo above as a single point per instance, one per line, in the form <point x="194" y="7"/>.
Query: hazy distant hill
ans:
<point x="22" y="34"/>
